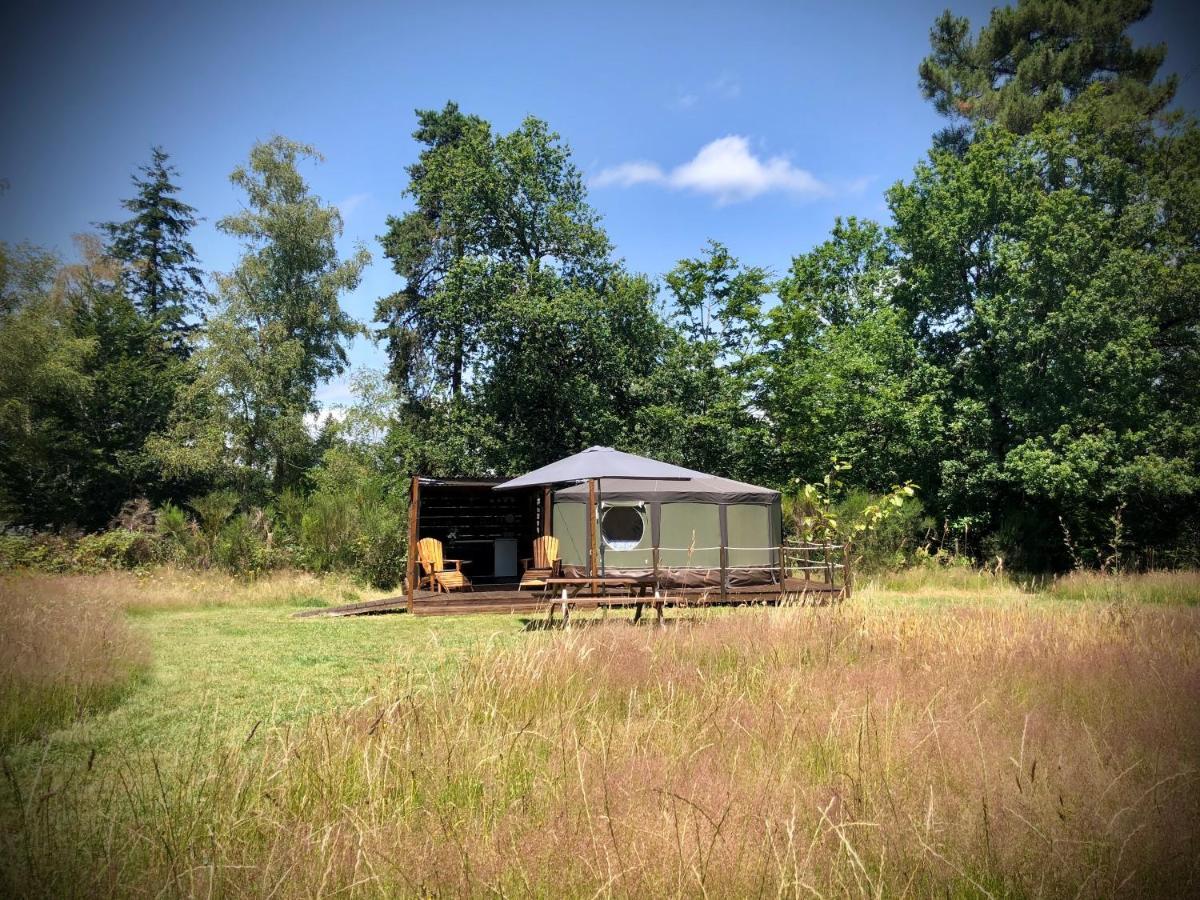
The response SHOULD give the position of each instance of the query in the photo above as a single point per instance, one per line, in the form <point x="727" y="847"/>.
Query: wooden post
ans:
<point x="847" y="576"/>
<point x="593" y="549"/>
<point x="547" y="512"/>
<point x="724" y="571"/>
<point x="414" y="503"/>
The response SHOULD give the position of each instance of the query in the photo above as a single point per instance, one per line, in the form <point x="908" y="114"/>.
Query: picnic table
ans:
<point x="571" y="588"/>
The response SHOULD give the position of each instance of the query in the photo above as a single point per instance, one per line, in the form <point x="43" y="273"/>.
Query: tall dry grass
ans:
<point x="1180" y="587"/>
<point x="61" y="657"/>
<point x="1016" y="750"/>
<point x="165" y="588"/>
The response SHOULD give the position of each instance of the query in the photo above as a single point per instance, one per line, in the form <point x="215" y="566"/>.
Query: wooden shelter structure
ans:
<point x="648" y="532"/>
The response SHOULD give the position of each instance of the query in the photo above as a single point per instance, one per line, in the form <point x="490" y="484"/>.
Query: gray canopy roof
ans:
<point x="700" y="488"/>
<point x="599" y="462"/>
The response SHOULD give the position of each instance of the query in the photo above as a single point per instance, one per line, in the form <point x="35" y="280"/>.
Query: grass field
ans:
<point x="956" y="735"/>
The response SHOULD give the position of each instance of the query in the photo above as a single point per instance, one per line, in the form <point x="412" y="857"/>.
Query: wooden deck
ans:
<point x="506" y="599"/>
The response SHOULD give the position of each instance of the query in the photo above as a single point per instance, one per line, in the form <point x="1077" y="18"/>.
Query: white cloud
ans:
<point x="351" y="203"/>
<point x="726" y="169"/>
<point x="628" y="174"/>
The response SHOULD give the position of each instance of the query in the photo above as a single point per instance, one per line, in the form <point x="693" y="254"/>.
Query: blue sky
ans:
<point x="752" y="123"/>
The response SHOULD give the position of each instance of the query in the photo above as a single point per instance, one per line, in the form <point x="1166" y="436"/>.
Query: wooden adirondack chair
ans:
<point x="543" y="564"/>
<point x="434" y="571"/>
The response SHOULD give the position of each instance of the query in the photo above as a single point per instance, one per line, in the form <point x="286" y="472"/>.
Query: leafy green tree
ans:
<point x="280" y="333"/>
<point x="715" y="299"/>
<point x="844" y="377"/>
<point x="565" y="364"/>
<point x="513" y="318"/>
<point x="161" y="271"/>
<point x="44" y="388"/>
<point x="491" y="212"/>
<point x="90" y="382"/>
<point x="695" y="407"/>
<point x="1047" y="276"/>
<point x="1037" y="57"/>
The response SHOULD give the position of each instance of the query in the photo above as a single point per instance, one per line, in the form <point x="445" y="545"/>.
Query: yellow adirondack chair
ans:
<point x="543" y="564"/>
<point x="433" y="568"/>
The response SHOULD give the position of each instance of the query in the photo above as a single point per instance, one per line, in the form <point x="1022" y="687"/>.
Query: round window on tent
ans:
<point x="622" y="527"/>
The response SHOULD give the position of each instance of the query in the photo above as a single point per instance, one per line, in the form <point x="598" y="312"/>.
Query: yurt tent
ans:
<point x="704" y="531"/>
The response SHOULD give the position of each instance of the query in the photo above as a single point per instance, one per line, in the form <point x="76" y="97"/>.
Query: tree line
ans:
<point x="1019" y="339"/>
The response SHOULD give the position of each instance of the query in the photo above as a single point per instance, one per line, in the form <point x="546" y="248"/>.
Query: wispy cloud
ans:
<point x="726" y="169"/>
<point x="726" y="86"/>
<point x="628" y="174"/>
<point x="347" y="206"/>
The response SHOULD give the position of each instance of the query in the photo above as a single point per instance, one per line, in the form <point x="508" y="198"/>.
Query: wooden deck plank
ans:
<point x="506" y="599"/>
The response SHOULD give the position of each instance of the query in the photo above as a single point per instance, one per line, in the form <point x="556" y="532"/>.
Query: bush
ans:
<point x="45" y="552"/>
<point x="894" y="542"/>
<point x="176" y="534"/>
<point x="330" y="529"/>
<point x="115" y="550"/>
<point x="381" y="546"/>
<point x="243" y="545"/>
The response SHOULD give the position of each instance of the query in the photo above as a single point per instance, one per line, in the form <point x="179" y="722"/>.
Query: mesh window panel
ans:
<point x="690" y="525"/>
<point x="750" y="537"/>
<point x="626" y="539"/>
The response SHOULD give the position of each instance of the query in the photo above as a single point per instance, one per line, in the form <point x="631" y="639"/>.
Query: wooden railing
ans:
<point x="823" y="563"/>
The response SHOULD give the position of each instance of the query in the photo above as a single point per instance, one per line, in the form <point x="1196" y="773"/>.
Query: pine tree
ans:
<point x="162" y="275"/>
<point x="1036" y="57"/>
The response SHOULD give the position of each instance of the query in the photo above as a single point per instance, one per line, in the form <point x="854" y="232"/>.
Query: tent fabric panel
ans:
<point x="690" y="535"/>
<point x="751" y="538"/>
<point x="570" y="527"/>
<point x="598" y="462"/>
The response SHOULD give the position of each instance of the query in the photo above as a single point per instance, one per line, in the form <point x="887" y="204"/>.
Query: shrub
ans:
<point x="115" y="550"/>
<point x="381" y="546"/>
<point x="243" y="545"/>
<point x="44" y="551"/>
<point x="175" y="532"/>
<point x="892" y="543"/>
<point x="330" y="528"/>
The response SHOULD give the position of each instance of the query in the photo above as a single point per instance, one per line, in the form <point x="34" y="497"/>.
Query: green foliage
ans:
<point x="844" y="376"/>
<point x="117" y="549"/>
<point x="695" y="406"/>
<point x="243" y="545"/>
<point x="213" y="511"/>
<point x="280" y="333"/>
<point x="88" y="378"/>
<point x="896" y="540"/>
<point x="1041" y="276"/>
<point x="43" y="552"/>
<point x="160" y="268"/>
<point x="175" y="533"/>
<point x="493" y="213"/>
<point x="821" y="511"/>
<point x="352" y="521"/>
<point x="1038" y="57"/>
